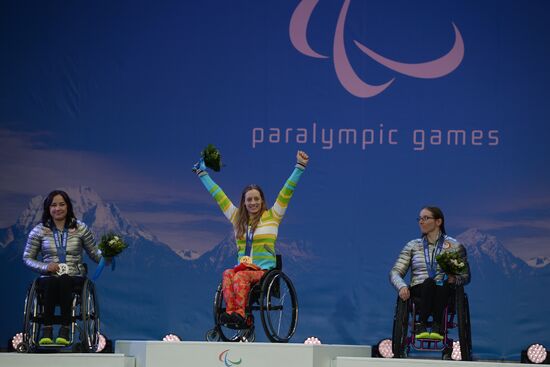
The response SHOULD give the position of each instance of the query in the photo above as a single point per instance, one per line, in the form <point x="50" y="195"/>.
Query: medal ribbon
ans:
<point x="431" y="263"/>
<point x="60" y="240"/>
<point x="249" y="236"/>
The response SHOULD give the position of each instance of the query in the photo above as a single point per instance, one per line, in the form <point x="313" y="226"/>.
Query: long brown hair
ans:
<point x="243" y="216"/>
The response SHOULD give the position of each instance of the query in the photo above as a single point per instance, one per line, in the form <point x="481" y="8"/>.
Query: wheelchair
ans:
<point x="274" y="297"/>
<point x="456" y="315"/>
<point x="84" y="319"/>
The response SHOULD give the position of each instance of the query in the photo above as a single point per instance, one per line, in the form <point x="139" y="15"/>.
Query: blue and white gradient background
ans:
<point x="122" y="96"/>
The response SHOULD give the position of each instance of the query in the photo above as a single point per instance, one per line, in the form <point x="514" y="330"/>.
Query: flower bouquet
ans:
<point x="111" y="245"/>
<point x="451" y="263"/>
<point x="212" y="157"/>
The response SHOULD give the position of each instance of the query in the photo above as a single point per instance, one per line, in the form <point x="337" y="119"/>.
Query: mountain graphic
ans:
<point x="149" y="273"/>
<point x="88" y="206"/>
<point x="539" y="261"/>
<point x="487" y="255"/>
<point x="188" y="254"/>
<point x="161" y="284"/>
<point x="344" y="299"/>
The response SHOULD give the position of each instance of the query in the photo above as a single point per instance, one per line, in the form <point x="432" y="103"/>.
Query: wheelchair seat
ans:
<point x="274" y="297"/>
<point x="84" y="318"/>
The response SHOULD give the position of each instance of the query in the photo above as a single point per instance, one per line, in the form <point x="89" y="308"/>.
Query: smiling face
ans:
<point x="253" y="201"/>
<point x="58" y="208"/>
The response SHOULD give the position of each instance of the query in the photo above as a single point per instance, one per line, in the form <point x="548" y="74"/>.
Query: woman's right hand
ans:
<point x="53" y="268"/>
<point x="199" y="166"/>
<point x="302" y="158"/>
<point x="404" y="293"/>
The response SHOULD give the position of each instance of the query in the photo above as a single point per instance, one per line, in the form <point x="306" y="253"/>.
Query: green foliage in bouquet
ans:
<point x="111" y="245"/>
<point x="451" y="263"/>
<point x="212" y="157"/>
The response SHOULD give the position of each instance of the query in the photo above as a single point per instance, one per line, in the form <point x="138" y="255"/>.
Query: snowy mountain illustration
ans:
<point x="539" y="261"/>
<point x="89" y="207"/>
<point x="146" y="272"/>
<point x="485" y="253"/>
<point x="158" y="281"/>
<point x="155" y="290"/>
<point x="188" y="254"/>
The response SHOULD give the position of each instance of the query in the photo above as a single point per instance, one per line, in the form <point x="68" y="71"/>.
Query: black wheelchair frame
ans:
<point x="85" y="318"/>
<point x="458" y="306"/>
<point x="269" y="296"/>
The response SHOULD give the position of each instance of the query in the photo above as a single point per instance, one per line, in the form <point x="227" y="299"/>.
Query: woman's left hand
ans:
<point x="302" y="158"/>
<point x="451" y="279"/>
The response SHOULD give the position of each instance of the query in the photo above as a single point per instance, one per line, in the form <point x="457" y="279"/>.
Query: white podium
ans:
<point x="414" y="362"/>
<point x="219" y="354"/>
<point x="65" y="360"/>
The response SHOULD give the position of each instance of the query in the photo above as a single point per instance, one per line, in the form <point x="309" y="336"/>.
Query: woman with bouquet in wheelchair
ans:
<point x="256" y="228"/>
<point x="59" y="238"/>
<point x="431" y="286"/>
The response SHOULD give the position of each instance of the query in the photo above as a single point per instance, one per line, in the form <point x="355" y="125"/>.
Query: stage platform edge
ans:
<point x="65" y="360"/>
<point x="220" y="354"/>
<point x="414" y="362"/>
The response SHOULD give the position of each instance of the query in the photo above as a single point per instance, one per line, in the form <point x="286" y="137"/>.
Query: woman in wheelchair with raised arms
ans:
<point x="430" y="287"/>
<point x="59" y="238"/>
<point x="256" y="229"/>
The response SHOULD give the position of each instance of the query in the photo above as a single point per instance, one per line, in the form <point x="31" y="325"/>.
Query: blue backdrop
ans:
<point x="399" y="104"/>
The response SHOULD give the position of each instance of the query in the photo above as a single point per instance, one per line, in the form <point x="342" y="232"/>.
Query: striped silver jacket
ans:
<point x="41" y="241"/>
<point x="412" y="256"/>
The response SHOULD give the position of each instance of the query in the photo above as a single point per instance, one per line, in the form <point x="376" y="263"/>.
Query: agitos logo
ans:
<point x="225" y="359"/>
<point x="344" y="71"/>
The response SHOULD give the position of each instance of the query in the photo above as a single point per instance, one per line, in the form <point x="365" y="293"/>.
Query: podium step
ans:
<point x="66" y="360"/>
<point x="219" y="354"/>
<point x="413" y="362"/>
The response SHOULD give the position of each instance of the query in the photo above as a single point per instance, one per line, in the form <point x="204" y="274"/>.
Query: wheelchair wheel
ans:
<point x="212" y="335"/>
<point x="220" y="331"/>
<point x="89" y="309"/>
<point x="250" y="336"/>
<point x="464" y="327"/>
<point x="278" y="307"/>
<point x="31" y="327"/>
<point x="400" y="328"/>
<point x="446" y="353"/>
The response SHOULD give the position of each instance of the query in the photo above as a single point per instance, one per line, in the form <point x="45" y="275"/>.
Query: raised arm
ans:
<point x="279" y="208"/>
<point x="227" y="207"/>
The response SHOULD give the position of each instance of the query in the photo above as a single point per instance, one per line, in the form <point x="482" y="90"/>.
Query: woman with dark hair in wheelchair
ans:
<point x="59" y="238"/>
<point x="256" y="229"/>
<point x="430" y="288"/>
